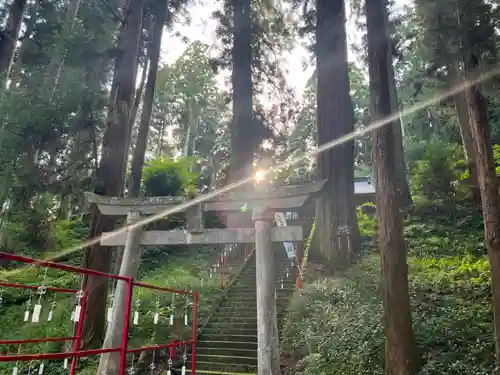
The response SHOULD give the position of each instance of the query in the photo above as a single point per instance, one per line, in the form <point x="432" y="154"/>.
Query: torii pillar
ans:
<point x="268" y="353"/>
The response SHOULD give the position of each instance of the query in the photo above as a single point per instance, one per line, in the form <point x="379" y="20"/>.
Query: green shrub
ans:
<point x="496" y="156"/>
<point x="166" y="177"/>
<point x="367" y="222"/>
<point x="70" y="232"/>
<point x="436" y="177"/>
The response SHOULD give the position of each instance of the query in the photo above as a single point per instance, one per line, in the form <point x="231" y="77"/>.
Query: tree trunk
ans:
<point x="189" y="125"/>
<point x="336" y="208"/>
<point x="242" y="137"/>
<point x="111" y="174"/>
<point x="9" y="36"/>
<point x="137" y="101"/>
<point x="147" y="107"/>
<point x="161" y="134"/>
<point x="488" y="186"/>
<point x="461" y="106"/>
<point x="401" y="349"/>
<point x="125" y="6"/>
<point x="55" y="67"/>
<point x="130" y="263"/>
<point x="399" y="153"/>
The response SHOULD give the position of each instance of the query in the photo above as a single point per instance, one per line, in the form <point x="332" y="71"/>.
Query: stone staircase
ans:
<point x="228" y="343"/>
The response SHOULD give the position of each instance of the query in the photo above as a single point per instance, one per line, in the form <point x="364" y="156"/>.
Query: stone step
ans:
<point x="249" y="296"/>
<point x="225" y="368"/>
<point x="228" y="343"/>
<point x="231" y="338"/>
<point x="237" y="310"/>
<point x="220" y="372"/>
<point x="251" y="290"/>
<point x="230" y="330"/>
<point x="234" y="318"/>
<point x="233" y="351"/>
<point x="223" y="325"/>
<point x="230" y="308"/>
<point x="252" y="361"/>
<point x="224" y="344"/>
<point x="250" y="279"/>
<point x="277" y="267"/>
<point x="239" y="303"/>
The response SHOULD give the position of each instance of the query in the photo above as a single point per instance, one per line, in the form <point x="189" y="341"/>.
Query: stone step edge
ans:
<point x="220" y="372"/>
<point x="221" y="365"/>
<point x="198" y="347"/>
<point x="220" y="342"/>
<point x="224" y="356"/>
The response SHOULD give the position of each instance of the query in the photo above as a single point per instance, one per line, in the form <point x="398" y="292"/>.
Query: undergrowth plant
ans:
<point x="335" y="325"/>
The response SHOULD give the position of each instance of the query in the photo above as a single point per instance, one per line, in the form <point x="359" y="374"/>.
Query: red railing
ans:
<point x="81" y="296"/>
<point x="225" y="259"/>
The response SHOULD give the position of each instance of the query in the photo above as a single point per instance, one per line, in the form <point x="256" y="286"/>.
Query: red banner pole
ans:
<point x="222" y="269"/>
<point x="172" y="350"/>
<point x="79" y="330"/>
<point x="195" y="322"/>
<point x="124" y="347"/>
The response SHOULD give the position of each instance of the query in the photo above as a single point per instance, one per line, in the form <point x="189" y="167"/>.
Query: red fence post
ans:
<point x="124" y="347"/>
<point x="79" y="330"/>
<point x="172" y="350"/>
<point x="195" y="322"/>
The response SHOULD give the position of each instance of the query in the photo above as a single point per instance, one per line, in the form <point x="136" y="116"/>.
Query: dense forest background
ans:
<point x="91" y="100"/>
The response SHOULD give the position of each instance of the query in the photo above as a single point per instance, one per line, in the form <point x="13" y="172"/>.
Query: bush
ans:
<point x="367" y="222"/>
<point x="436" y="177"/>
<point x="166" y="177"/>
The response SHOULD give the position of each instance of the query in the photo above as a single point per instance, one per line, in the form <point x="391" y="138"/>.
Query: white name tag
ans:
<point x="35" y="317"/>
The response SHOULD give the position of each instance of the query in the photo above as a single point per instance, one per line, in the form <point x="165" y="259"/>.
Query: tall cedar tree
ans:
<point x="242" y="144"/>
<point x="401" y="349"/>
<point x="9" y="36"/>
<point x="336" y="207"/>
<point x="110" y="363"/>
<point x="485" y="162"/>
<point x="111" y="173"/>
<point x="160" y="17"/>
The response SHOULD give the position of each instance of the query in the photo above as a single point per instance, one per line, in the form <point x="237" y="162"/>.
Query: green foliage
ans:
<point x="70" y="232"/>
<point x="451" y="306"/>
<point x="367" y="222"/>
<point x="496" y="156"/>
<point x="36" y="236"/>
<point x="436" y="176"/>
<point x="165" y="177"/>
<point x="188" y="99"/>
<point x="334" y="327"/>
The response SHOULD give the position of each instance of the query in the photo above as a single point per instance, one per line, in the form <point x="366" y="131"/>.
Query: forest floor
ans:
<point x="335" y="326"/>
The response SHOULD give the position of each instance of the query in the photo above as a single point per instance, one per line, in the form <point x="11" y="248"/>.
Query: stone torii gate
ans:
<point x="263" y="202"/>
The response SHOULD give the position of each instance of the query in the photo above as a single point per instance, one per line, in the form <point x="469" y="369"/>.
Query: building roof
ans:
<point x="364" y="185"/>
